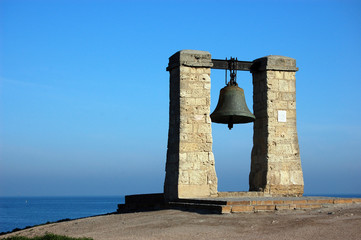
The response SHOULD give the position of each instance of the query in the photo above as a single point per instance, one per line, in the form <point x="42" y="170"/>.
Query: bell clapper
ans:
<point x="230" y="122"/>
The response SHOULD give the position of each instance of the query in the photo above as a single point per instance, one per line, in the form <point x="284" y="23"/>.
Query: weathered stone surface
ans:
<point x="189" y="155"/>
<point x="276" y="165"/>
<point x="190" y="58"/>
<point x="275" y="62"/>
<point x="240" y="208"/>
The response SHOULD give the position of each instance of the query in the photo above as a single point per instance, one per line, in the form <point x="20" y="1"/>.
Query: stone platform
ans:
<point x="221" y="205"/>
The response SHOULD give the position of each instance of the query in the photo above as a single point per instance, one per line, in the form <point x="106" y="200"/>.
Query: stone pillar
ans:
<point x="190" y="170"/>
<point x="276" y="164"/>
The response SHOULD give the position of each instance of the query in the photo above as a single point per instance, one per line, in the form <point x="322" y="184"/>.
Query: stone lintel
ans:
<point x="274" y="62"/>
<point x="190" y="58"/>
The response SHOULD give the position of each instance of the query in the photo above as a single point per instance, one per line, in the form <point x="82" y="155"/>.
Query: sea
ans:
<point x="21" y="212"/>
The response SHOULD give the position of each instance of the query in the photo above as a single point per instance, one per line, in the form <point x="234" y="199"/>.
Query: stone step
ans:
<point x="199" y="207"/>
<point x="274" y="201"/>
<point x="202" y="201"/>
<point x="258" y="208"/>
<point x="219" y="205"/>
<point x="214" y="208"/>
<point x="241" y="194"/>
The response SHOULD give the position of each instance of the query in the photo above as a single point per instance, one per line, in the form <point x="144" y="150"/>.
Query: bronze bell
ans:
<point x="232" y="108"/>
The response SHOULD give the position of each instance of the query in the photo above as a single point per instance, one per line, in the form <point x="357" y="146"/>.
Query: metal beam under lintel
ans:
<point x="223" y="64"/>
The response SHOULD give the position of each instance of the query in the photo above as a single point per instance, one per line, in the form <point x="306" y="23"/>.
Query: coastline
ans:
<point x="334" y="222"/>
<point x="24" y="211"/>
<point x="54" y="222"/>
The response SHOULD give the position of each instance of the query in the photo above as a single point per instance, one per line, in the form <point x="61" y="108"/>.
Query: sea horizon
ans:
<point x="95" y="196"/>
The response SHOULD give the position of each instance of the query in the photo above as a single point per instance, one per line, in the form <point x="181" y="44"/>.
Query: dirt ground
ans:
<point x="336" y="222"/>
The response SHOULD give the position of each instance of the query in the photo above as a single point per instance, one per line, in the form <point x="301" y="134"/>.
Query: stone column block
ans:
<point x="190" y="170"/>
<point x="275" y="164"/>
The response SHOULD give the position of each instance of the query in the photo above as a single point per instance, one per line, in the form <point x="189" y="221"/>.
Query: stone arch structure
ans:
<point x="275" y="160"/>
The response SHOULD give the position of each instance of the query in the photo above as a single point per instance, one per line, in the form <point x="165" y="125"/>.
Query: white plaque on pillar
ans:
<point x="282" y="116"/>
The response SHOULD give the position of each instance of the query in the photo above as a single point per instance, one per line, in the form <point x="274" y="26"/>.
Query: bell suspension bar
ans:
<point x="238" y="65"/>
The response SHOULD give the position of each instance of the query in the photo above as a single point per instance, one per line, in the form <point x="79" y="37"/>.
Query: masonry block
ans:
<point x="242" y="208"/>
<point x="264" y="207"/>
<point x="343" y="201"/>
<point x="283" y="207"/>
<point x="226" y="209"/>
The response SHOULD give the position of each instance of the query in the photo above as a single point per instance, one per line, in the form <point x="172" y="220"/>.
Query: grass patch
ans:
<point x="48" y="236"/>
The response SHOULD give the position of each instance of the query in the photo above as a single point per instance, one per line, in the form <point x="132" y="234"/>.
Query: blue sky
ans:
<point x="84" y="90"/>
